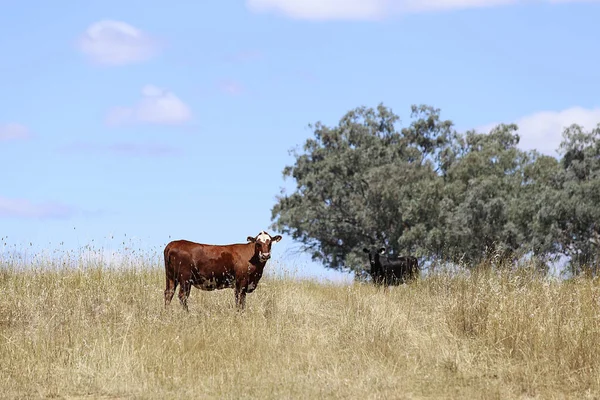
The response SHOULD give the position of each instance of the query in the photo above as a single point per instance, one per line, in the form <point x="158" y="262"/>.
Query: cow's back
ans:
<point x="179" y="249"/>
<point x="206" y="259"/>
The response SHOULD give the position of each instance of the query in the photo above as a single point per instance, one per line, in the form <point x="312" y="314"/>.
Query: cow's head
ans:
<point x="374" y="256"/>
<point x="263" y="242"/>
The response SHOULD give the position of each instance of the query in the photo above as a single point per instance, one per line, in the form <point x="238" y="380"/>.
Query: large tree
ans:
<point x="430" y="191"/>
<point x="569" y="219"/>
<point x="365" y="183"/>
<point x="482" y="204"/>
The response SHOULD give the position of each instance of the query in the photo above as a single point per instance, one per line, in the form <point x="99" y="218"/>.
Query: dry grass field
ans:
<point x="93" y="332"/>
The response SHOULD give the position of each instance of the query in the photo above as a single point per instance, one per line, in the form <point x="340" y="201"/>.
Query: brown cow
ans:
<point x="210" y="267"/>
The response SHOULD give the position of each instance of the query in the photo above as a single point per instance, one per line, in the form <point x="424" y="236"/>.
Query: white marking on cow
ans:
<point x="263" y="237"/>
<point x="262" y="255"/>
<point x="251" y="285"/>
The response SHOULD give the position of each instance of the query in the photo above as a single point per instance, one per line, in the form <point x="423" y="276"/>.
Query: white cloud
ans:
<point x="14" y="131"/>
<point x="321" y="9"/>
<point x="114" y="43"/>
<point x="157" y="106"/>
<point x="543" y="130"/>
<point x="371" y="9"/>
<point x="26" y="209"/>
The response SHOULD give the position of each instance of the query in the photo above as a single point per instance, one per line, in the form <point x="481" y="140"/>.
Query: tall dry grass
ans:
<point x="97" y="332"/>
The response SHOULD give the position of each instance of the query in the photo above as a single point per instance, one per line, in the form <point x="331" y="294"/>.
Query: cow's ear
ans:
<point x="366" y="250"/>
<point x="276" y="238"/>
<point x="382" y="251"/>
<point x="251" y="239"/>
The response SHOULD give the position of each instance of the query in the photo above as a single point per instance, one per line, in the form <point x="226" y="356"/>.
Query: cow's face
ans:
<point x="374" y="256"/>
<point x="263" y="242"/>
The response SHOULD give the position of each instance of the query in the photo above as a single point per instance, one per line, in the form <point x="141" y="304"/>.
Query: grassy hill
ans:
<point x="95" y="332"/>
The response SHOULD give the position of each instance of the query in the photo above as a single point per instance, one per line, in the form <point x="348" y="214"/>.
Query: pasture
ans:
<point x="95" y="332"/>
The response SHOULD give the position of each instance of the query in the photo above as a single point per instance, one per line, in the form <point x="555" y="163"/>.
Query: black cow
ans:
<point x="388" y="271"/>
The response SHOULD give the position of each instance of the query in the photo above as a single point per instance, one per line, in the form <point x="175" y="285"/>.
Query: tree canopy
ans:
<point x="427" y="190"/>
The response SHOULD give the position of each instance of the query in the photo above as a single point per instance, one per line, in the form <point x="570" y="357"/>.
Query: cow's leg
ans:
<point x="170" y="290"/>
<point x="240" y="295"/>
<point x="242" y="299"/>
<point x="184" y="293"/>
<point x="384" y="283"/>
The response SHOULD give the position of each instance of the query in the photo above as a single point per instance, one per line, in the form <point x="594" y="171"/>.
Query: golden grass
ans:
<point x="104" y="333"/>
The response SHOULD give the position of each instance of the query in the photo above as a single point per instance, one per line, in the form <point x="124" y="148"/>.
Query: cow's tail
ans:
<point x="167" y="254"/>
<point x="170" y="275"/>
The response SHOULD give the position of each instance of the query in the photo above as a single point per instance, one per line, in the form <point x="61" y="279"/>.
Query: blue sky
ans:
<point x="153" y="121"/>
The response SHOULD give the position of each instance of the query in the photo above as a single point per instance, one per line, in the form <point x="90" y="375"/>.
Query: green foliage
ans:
<point x="441" y="195"/>
<point x="572" y="217"/>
